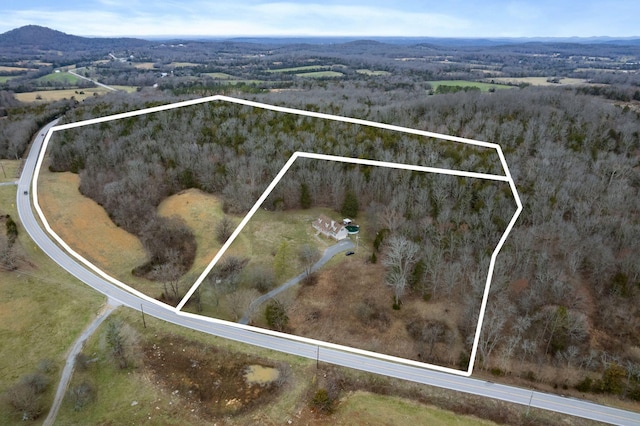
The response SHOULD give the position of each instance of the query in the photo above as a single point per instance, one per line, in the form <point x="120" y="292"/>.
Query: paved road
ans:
<point x="513" y="394"/>
<point x="65" y="378"/>
<point x="8" y="183"/>
<point x="343" y="245"/>
<point x="93" y="81"/>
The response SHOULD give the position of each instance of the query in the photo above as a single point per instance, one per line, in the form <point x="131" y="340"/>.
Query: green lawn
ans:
<point x="321" y="74"/>
<point x="59" y="77"/>
<point x="42" y="311"/>
<point x="219" y="75"/>
<point x="484" y="87"/>
<point x="5" y="78"/>
<point x="300" y="69"/>
<point x="372" y="72"/>
<point x="372" y="409"/>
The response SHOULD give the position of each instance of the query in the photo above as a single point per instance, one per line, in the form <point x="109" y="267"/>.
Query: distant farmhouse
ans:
<point x="330" y="228"/>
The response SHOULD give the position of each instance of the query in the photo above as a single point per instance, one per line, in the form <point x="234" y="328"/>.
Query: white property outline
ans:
<point x="506" y="178"/>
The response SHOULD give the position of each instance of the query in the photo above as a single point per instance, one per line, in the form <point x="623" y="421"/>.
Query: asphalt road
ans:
<point x="343" y="245"/>
<point x="571" y="406"/>
<point x="93" y="81"/>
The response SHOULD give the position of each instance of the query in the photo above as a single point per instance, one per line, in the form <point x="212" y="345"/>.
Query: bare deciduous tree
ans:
<point x="240" y="303"/>
<point x="308" y="256"/>
<point x="401" y="255"/>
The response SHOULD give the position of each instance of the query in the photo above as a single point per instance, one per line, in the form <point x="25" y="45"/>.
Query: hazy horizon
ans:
<point x="310" y="18"/>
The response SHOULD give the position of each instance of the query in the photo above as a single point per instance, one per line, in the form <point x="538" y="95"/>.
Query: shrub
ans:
<point x="310" y="280"/>
<point x="497" y="372"/>
<point x="276" y="315"/>
<point x="81" y="395"/>
<point x="322" y="402"/>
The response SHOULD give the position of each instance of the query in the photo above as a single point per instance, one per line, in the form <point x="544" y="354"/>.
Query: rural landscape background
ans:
<point x="151" y="199"/>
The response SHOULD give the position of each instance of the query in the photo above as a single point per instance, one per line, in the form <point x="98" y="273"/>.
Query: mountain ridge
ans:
<point x="45" y="39"/>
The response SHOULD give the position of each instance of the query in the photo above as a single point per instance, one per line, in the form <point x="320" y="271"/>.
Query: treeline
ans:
<point x="20" y="122"/>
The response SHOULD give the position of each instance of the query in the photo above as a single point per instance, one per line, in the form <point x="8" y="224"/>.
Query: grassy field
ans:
<point x="42" y="311"/>
<point x="5" y="78"/>
<point x="539" y="81"/>
<point x="12" y="69"/>
<point x="304" y="69"/>
<point x="144" y="65"/>
<point x="86" y="227"/>
<point x="9" y="170"/>
<point x="128" y="89"/>
<point x="201" y="212"/>
<point x="219" y="75"/>
<point x="372" y="72"/>
<point x="365" y="408"/>
<point x="56" y="95"/>
<point x="184" y="64"/>
<point x="484" y="87"/>
<point x="320" y="74"/>
<point x="59" y="77"/>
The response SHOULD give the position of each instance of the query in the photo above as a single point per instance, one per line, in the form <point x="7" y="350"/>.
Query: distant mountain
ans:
<point x="436" y="41"/>
<point x="37" y="38"/>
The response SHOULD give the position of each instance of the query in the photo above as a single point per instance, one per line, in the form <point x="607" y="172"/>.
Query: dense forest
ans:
<point x="566" y="285"/>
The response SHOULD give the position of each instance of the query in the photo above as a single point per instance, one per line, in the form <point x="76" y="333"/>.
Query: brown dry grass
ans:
<point x="539" y="81"/>
<point x="184" y="64"/>
<point x="201" y="212"/>
<point x="328" y="312"/>
<point x="10" y="69"/>
<point x="56" y="95"/>
<point x="86" y="227"/>
<point x="144" y="66"/>
<point x="9" y="170"/>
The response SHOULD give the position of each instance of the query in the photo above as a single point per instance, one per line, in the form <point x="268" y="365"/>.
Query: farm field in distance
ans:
<point x="484" y="87"/>
<point x="538" y="81"/>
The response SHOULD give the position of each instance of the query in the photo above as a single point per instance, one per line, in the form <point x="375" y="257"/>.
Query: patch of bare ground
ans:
<point x="209" y="381"/>
<point x="351" y="305"/>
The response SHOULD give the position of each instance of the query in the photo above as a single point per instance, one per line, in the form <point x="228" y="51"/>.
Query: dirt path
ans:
<point x="71" y="361"/>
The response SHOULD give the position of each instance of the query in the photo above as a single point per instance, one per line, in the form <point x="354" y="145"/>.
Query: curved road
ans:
<point x="512" y="394"/>
<point x="343" y="245"/>
<point x="93" y="81"/>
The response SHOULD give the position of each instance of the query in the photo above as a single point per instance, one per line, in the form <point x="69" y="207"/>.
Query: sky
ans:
<point x="407" y="18"/>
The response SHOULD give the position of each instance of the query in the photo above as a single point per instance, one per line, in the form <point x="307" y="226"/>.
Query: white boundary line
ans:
<point x="506" y="178"/>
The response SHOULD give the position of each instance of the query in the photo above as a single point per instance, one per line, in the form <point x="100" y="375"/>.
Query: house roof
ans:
<point x="326" y="225"/>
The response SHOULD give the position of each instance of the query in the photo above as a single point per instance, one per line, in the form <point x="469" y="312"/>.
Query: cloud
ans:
<point x="455" y="18"/>
<point x="118" y="17"/>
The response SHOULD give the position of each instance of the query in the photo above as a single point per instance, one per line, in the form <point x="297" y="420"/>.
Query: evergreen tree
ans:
<point x="350" y="205"/>
<point x="305" y="196"/>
